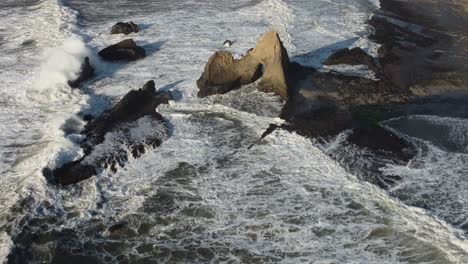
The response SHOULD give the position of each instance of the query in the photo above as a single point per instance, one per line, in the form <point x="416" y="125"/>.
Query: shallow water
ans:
<point x="204" y="195"/>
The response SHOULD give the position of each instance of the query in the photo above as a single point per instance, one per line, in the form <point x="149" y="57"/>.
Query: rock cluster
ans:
<point x="125" y="28"/>
<point x="124" y="50"/>
<point x="134" y="105"/>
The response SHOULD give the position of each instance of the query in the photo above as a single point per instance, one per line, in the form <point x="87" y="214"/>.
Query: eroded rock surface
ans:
<point x="124" y="50"/>
<point x="86" y="72"/>
<point x="268" y="60"/>
<point x="129" y="128"/>
<point x="125" y="28"/>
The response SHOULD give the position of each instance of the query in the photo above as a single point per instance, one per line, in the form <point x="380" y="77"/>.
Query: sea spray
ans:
<point x="62" y="63"/>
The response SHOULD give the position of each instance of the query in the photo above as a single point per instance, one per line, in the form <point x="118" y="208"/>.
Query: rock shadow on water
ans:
<point x="153" y="47"/>
<point x="319" y="55"/>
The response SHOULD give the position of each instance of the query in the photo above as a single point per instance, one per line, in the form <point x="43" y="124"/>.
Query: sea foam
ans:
<point x="62" y="63"/>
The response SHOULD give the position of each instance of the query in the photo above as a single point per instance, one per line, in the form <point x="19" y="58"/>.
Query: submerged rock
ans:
<point x="352" y="56"/>
<point x="133" y="107"/>
<point x="86" y="72"/>
<point x="125" y="28"/>
<point x="74" y="172"/>
<point x="268" y="60"/>
<point x="124" y="50"/>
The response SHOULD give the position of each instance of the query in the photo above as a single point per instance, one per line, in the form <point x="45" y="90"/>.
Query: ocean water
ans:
<point x="204" y="196"/>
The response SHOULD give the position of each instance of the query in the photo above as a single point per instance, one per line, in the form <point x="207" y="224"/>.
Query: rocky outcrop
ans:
<point x="125" y="28"/>
<point x="136" y="106"/>
<point x="352" y="56"/>
<point x="268" y="60"/>
<point x="124" y="50"/>
<point x="86" y="72"/>
<point x="271" y="53"/>
<point x="223" y="73"/>
<point x="74" y="172"/>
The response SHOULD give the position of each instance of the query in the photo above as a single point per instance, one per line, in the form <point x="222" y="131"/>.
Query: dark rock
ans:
<point x="88" y="117"/>
<point x="73" y="172"/>
<point x="86" y="72"/>
<point x="353" y="56"/>
<point x="134" y="105"/>
<point x="124" y="50"/>
<point x="377" y="138"/>
<point x="125" y="28"/>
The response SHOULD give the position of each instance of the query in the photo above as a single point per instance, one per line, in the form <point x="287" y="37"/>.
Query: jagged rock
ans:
<point x="73" y="172"/>
<point x="352" y="56"/>
<point x="125" y="28"/>
<point x="86" y="72"/>
<point x="223" y="73"/>
<point x="124" y="50"/>
<point x="377" y="138"/>
<point x="271" y="53"/>
<point x="135" y="105"/>
<point x="268" y="60"/>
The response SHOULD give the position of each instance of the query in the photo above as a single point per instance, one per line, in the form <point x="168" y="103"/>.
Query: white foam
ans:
<point x="277" y="15"/>
<point x="5" y="246"/>
<point x="436" y="177"/>
<point x="286" y="192"/>
<point x="62" y="63"/>
<point x="35" y="102"/>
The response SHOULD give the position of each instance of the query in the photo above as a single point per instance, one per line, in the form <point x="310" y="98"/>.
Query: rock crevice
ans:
<point x="134" y="106"/>
<point x="268" y="61"/>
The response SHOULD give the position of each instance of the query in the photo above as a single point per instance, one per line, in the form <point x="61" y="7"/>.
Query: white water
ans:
<point x="282" y="200"/>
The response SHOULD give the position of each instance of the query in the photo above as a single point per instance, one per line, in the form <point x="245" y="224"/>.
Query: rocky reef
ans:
<point x="125" y="50"/>
<point x="413" y="70"/>
<point x="125" y="28"/>
<point x="86" y="73"/>
<point x="136" y="107"/>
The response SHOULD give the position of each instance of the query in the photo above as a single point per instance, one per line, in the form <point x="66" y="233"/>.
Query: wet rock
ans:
<point x="223" y="74"/>
<point x="73" y="172"/>
<point x="377" y="138"/>
<point x="135" y="105"/>
<point x="86" y="72"/>
<point x="125" y="28"/>
<point x="268" y="60"/>
<point x="124" y="50"/>
<point x="352" y="56"/>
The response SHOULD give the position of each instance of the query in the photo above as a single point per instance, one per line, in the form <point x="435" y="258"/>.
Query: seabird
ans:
<point x="227" y="43"/>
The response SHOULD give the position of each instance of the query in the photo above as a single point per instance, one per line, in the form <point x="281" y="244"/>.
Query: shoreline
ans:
<point x="432" y="51"/>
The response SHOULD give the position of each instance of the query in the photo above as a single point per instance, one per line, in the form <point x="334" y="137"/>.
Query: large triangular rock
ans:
<point x="271" y="53"/>
<point x="223" y="73"/>
<point x="268" y="60"/>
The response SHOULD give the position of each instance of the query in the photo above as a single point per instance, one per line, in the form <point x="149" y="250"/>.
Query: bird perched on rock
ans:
<point x="227" y="43"/>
